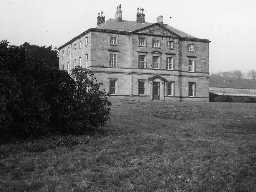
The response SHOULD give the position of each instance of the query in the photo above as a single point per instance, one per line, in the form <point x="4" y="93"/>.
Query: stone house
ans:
<point x="140" y="59"/>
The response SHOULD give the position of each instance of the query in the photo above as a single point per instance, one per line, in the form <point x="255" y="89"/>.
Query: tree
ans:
<point x="252" y="74"/>
<point x="91" y="106"/>
<point x="38" y="99"/>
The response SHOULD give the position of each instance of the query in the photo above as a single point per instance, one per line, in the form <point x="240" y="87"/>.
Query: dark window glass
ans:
<point x="141" y="88"/>
<point x="141" y="61"/>
<point x="112" y="86"/>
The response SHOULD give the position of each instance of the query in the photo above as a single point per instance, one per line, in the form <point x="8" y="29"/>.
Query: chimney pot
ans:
<point x="140" y="15"/>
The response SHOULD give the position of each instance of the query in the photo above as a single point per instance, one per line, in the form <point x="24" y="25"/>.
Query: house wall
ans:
<point x="127" y="73"/>
<point x="70" y="54"/>
<point x="101" y="49"/>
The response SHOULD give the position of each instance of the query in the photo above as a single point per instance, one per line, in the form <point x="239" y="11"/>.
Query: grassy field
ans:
<point x="157" y="146"/>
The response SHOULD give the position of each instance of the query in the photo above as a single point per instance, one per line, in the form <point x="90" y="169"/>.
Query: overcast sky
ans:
<point x="229" y="24"/>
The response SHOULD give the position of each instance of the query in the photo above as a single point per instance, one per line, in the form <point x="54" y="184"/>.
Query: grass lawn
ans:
<point x="146" y="146"/>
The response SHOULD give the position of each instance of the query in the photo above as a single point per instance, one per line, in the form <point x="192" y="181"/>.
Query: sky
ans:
<point x="228" y="24"/>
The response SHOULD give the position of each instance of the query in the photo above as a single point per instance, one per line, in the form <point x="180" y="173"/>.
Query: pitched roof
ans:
<point x="132" y="26"/>
<point x="112" y="25"/>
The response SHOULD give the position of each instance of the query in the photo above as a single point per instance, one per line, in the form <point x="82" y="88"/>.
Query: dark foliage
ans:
<point x="38" y="99"/>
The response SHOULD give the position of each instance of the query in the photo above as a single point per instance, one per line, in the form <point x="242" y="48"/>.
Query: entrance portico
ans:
<point x="157" y="87"/>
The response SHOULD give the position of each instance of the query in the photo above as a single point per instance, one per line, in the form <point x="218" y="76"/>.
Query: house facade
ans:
<point x="141" y="59"/>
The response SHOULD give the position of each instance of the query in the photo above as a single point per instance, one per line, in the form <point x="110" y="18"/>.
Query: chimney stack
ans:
<point x="100" y="18"/>
<point x="140" y="15"/>
<point x="160" y="19"/>
<point x="118" y="15"/>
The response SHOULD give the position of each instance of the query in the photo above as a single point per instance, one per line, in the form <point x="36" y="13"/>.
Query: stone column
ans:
<point x="150" y="87"/>
<point x="162" y="90"/>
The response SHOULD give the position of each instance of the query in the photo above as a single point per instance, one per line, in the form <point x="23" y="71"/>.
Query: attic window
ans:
<point x="156" y="43"/>
<point x="191" y="48"/>
<point x="142" y="41"/>
<point x="170" y="44"/>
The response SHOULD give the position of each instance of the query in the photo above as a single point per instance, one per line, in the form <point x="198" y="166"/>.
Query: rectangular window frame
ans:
<point x="113" y="40"/>
<point x="169" y="65"/>
<point x="142" y="41"/>
<point x="170" y="45"/>
<point x="141" y="87"/>
<point x="158" y="63"/>
<point x="113" y="60"/>
<point x="141" y="64"/>
<point x="112" y="86"/>
<point x="191" y="89"/>
<point x="86" y="41"/>
<point x="156" y="43"/>
<point x="191" y="48"/>
<point x="191" y="65"/>
<point x="170" y="88"/>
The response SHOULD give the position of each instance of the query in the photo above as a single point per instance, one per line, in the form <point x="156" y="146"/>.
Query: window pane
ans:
<point x="112" y="86"/>
<point x="142" y="42"/>
<point x="169" y="64"/>
<point x="191" y="89"/>
<point x="112" y="60"/>
<point x="141" y="88"/>
<point x="141" y="61"/>
<point x="170" y="88"/>
<point x="156" y="62"/>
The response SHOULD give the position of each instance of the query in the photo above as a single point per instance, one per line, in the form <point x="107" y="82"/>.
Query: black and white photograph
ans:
<point x="127" y="96"/>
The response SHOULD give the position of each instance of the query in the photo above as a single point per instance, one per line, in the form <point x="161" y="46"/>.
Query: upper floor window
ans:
<point x="112" y="59"/>
<point x="156" y="62"/>
<point x="191" y="65"/>
<point x="142" y="41"/>
<point x="170" y="44"/>
<point x="113" y="40"/>
<point x="80" y="44"/>
<point x="156" y="43"/>
<point x="191" y="89"/>
<point x="112" y="86"/>
<point x="191" y="48"/>
<point x="141" y="87"/>
<point x="142" y="61"/>
<point x="169" y="63"/>
<point x="86" y="41"/>
<point x="170" y="88"/>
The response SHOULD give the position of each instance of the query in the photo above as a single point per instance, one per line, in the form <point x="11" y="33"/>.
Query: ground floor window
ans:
<point x="112" y="86"/>
<point x="141" y="86"/>
<point x="191" y="89"/>
<point x="170" y="88"/>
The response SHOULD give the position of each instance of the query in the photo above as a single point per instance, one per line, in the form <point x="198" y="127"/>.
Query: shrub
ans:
<point x="38" y="100"/>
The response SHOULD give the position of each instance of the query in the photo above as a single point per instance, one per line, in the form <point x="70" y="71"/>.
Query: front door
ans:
<point x="156" y="90"/>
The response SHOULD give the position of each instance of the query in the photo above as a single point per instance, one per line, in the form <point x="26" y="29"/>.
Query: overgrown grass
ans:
<point x="146" y="146"/>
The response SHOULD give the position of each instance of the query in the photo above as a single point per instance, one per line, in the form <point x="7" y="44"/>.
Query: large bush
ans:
<point x="38" y="99"/>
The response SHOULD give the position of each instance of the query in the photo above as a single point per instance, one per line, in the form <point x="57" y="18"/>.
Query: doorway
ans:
<point x="156" y="91"/>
